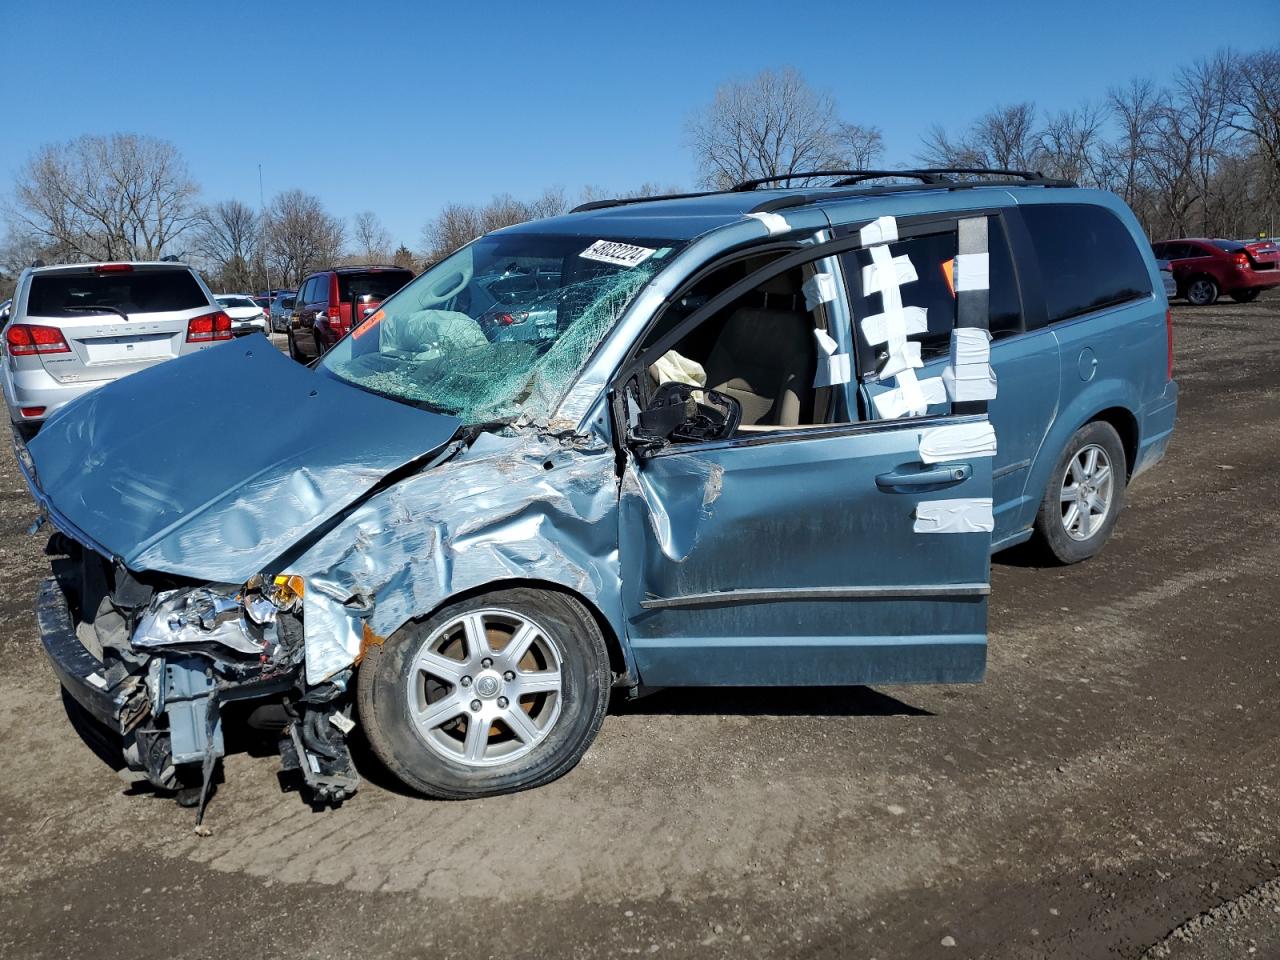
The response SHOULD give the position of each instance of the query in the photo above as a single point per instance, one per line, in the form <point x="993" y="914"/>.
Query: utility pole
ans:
<point x="262" y="240"/>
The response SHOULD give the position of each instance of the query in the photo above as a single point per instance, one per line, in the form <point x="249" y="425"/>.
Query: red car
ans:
<point x="330" y="302"/>
<point x="1204" y="269"/>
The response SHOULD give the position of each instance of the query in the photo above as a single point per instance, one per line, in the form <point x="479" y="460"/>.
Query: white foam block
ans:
<point x="971" y="515"/>
<point x="963" y="384"/>
<point x="970" y="345"/>
<point x="957" y="440"/>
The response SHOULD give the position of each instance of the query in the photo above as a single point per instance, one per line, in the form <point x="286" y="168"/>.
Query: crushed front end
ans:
<point x="156" y="659"/>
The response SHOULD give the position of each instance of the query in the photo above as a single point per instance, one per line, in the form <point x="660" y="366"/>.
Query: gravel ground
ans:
<point x="1113" y="789"/>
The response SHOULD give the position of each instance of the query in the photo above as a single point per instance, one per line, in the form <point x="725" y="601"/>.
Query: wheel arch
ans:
<point x="620" y="661"/>
<point x="1125" y="423"/>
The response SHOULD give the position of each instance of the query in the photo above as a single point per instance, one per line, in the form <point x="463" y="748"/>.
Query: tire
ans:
<point x="436" y="753"/>
<point x="1067" y="538"/>
<point x="294" y="352"/>
<point x="1245" y="296"/>
<point x="1201" y="291"/>
<point x="319" y="346"/>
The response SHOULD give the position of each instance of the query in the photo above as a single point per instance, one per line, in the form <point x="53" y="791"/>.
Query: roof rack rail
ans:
<point x="931" y="178"/>
<point x="930" y="175"/>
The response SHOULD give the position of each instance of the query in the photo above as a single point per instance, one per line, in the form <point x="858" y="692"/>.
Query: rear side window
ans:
<point x="141" y="291"/>
<point x="1088" y="260"/>
<point x="373" y="286"/>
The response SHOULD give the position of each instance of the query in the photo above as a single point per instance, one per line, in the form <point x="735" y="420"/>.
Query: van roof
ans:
<point x="685" y="216"/>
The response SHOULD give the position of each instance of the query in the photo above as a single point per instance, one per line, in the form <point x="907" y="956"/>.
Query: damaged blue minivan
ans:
<point x="764" y="436"/>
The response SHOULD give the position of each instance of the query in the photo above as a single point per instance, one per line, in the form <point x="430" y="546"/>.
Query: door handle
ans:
<point x="901" y="481"/>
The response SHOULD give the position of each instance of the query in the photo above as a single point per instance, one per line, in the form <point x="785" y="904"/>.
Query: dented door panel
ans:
<point x="784" y="561"/>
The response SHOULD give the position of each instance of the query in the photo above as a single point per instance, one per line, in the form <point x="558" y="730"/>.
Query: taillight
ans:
<point x="1168" y="329"/>
<point x="508" y="319"/>
<point x="210" y="326"/>
<point x="1241" y="260"/>
<point x="28" y="339"/>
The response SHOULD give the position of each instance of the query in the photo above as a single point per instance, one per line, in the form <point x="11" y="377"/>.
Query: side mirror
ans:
<point x="683" y="412"/>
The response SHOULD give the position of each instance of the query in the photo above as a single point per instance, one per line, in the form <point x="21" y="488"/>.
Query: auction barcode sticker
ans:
<point x="623" y="254"/>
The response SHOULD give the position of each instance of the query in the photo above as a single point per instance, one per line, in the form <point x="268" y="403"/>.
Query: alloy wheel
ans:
<point x="485" y="688"/>
<point x="1087" y="487"/>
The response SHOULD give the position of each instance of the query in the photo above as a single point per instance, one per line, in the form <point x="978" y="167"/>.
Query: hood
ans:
<point x="212" y="465"/>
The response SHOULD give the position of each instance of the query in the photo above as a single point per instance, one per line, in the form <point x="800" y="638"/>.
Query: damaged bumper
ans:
<point x="81" y="674"/>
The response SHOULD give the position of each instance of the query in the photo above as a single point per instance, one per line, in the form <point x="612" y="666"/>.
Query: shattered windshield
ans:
<point x="497" y="330"/>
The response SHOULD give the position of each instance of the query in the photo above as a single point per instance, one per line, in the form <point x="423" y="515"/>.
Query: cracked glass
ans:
<point x="498" y="330"/>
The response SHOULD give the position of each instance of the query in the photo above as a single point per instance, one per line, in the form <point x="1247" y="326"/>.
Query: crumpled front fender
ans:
<point x="523" y="507"/>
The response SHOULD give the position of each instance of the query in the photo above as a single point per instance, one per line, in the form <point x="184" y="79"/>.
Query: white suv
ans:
<point x="74" y="327"/>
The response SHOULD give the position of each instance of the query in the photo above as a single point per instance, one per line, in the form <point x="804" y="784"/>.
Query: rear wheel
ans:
<point x="1245" y="296"/>
<point x="493" y="694"/>
<point x="1084" y="496"/>
<point x="1202" y="291"/>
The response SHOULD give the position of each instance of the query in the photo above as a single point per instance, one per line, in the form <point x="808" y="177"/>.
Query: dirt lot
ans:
<point x="1116" y="778"/>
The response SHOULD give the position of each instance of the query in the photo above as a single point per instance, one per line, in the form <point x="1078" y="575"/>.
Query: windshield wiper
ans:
<point x="99" y="309"/>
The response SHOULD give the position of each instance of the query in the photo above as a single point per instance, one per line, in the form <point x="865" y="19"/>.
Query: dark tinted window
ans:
<point x="1005" y="318"/>
<point x="1087" y="258"/>
<point x="1231" y="246"/>
<point x="139" y="291"/>
<point x="383" y="283"/>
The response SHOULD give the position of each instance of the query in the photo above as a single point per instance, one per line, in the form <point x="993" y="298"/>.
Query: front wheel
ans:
<point x="1084" y="496"/>
<point x="294" y="352"/>
<point x="1245" y="296"/>
<point x="489" y="695"/>
<point x="1202" y="291"/>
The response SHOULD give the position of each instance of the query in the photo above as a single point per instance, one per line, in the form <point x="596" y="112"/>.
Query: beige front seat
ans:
<point x="764" y="357"/>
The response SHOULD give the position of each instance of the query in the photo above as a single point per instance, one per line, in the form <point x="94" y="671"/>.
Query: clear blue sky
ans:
<point x="400" y="108"/>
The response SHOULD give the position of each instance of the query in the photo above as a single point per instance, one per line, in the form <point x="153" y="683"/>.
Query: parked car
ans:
<point x="4" y="312"/>
<point x="330" y="302"/>
<point x="246" y="316"/>
<point x="264" y="304"/>
<point x="772" y="437"/>
<point x="1204" y="269"/>
<point x="282" y="313"/>
<point x="76" y="327"/>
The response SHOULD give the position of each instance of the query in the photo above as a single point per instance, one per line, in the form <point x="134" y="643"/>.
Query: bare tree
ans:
<point x="1004" y="137"/>
<point x="460" y="223"/>
<point x="372" y="241"/>
<point x="1135" y="108"/>
<point x="859" y="146"/>
<point x="1072" y="146"/>
<point x="1254" y="92"/>
<point x="122" y="196"/>
<point x="301" y="235"/>
<point x="770" y="125"/>
<point x="226" y="240"/>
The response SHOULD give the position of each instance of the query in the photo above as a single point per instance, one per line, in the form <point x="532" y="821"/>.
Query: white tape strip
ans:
<point x="970" y="345"/>
<point x="885" y="272"/>
<point x="957" y="440"/>
<point x="905" y="357"/>
<point x="880" y="230"/>
<point x="971" y="515"/>
<point x="891" y="404"/>
<point x="833" y="369"/>
<point x="826" y="343"/>
<point x="970" y="382"/>
<point x="773" y="222"/>
<point x="972" y="271"/>
<point x="820" y="288"/>
<point x="876" y="328"/>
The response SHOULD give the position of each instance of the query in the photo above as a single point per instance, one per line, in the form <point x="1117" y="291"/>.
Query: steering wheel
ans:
<point x="435" y="295"/>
